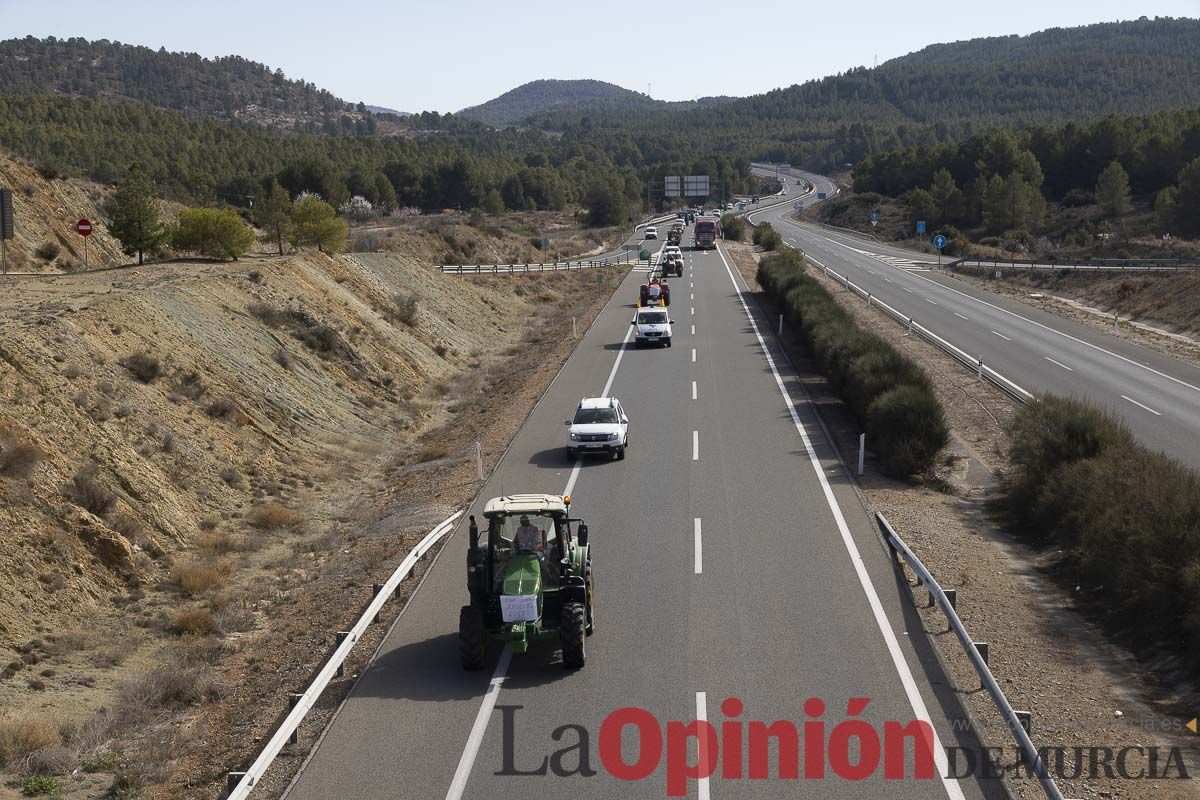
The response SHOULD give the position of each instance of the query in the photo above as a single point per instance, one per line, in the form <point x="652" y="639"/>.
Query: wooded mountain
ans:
<point x="943" y="92"/>
<point x="230" y="88"/>
<point x="540" y="97"/>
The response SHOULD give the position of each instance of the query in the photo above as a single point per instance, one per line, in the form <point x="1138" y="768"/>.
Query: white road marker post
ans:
<point x="1116" y="330"/>
<point x="781" y="324"/>
<point x="479" y="460"/>
<point x="980" y="374"/>
<point x="862" y="449"/>
<point x="574" y="329"/>
<point x="909" y="331"/>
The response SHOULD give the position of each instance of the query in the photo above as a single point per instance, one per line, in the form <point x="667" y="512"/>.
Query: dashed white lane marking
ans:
<point x="1058" y="364"/>
<point x="905" y="288"/>
<point x="693" y="355"/>
<point x="1002" y="336"/>
<point x="699" y="549"/>
<point x="459" y="784"/>
<point x="693" y="330"/>
<point x="1140" y="405"/>
<point x="960" y="316"/>
<point x="693" y="390"/>
<point x="695" y="445"/>
<point x="693" y="309"/>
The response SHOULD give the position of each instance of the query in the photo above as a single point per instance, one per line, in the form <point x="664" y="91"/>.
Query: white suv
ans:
<point x="652" y="325"/>
<point x="651" y="232"/>
<point x="600" y="425"/>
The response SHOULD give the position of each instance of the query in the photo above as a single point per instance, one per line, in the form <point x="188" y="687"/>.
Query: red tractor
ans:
<point x="654" y="293"/>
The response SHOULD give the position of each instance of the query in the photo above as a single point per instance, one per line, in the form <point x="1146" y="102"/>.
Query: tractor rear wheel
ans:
<point x="573" y="633"/>
<point x="470" y="637"/>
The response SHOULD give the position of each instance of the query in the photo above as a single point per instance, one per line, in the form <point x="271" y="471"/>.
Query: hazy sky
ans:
<point x="447" y="54"/>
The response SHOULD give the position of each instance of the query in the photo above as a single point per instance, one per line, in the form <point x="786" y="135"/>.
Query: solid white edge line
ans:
<point x="695" y="445"/>
<point x="1002" y="336"/>
<point x="701" y="716"/>
<point x="1139" y="405"/>
<point x="1059" y="364"/>
<point x="951" y="785"/>
<point x="699" y="565"/>
<point x="471" y="751"/>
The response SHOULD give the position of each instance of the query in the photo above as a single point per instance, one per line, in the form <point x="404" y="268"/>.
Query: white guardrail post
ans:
<point x="241" y="783"/>
<point x="1018" y="722"/>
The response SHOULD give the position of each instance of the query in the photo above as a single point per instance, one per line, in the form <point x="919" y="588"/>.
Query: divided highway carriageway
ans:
<point x="739" y="583"/>
<point x="1157" y="396"/>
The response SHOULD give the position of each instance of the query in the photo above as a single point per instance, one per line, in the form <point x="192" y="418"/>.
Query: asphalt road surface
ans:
<point x="1158" y="396"/>
<point x="732" y="560"/>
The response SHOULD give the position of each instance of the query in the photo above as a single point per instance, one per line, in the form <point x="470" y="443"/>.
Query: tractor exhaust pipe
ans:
<point x="474" y="534"/>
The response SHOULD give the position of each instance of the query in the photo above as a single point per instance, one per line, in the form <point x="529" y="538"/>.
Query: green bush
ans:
<point x="907" y="427"/>
<point x="1127" y="519"/>
<point x="889" y="395"/>
<point x="767" y="237"/>
<point x="212" y="232"/>
<point x="733" y="228"/>
<point x="1047" y="436"/>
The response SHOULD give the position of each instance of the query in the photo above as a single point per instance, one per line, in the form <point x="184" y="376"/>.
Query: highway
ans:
<point x="1157" y="396"/>
<point x="732" y="559"/>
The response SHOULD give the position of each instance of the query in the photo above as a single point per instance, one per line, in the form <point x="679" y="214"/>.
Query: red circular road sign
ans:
<point x="83" y="227"/>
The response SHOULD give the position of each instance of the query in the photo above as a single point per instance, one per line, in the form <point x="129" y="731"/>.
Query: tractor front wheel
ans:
<point x="470" y="638"/>
<point x="574" y="635"/>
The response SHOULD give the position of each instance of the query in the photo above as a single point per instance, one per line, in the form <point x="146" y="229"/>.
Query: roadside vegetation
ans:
<point x="1127" y="520"/>
<point x="889" y="395"/>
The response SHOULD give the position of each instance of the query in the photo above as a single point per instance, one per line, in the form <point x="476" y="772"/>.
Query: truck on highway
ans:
<point x="707" y="231"/>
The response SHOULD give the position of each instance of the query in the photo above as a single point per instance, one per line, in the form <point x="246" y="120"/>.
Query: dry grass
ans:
<point x="17" y="456"/>
<point x="216" y="543"/>
<point x="194" y="622"/>
<point x="209" y="521"/>
<point x="73" y="641"/>
<point x="168" y="686"/>
<point x="431" y="452"/>
<point x="273" y="517"/>
<point x="22" y="734"/>
<point x="198" y="577"/>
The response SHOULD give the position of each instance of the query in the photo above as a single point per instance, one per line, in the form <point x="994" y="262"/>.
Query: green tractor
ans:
<point x="530" y="580"/>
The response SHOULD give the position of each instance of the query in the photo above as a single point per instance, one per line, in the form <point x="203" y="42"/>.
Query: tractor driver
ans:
<point x="528" y="538"/>
<point x="655" y="290"/>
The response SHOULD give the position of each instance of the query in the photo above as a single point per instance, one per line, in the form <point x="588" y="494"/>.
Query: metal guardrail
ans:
<point x="1098" y="265"/>
<point x="240" y="784"/>
<point x="560" y="266"/>
<point x="1016" y="721"/>
<point x="984" y="372"/>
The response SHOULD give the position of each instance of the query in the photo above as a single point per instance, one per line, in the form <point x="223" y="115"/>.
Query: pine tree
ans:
<point x="1188" y="211"/>
<point x="133" y="215"/>
<point x="1165" y="204"/>
<point x="273" y="213"/>
<point x="314" y="222"/>
<point x="1112" y="190"/>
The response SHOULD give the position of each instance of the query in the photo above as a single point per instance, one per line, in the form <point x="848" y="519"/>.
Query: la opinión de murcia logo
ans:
<point x="851" y="750"/>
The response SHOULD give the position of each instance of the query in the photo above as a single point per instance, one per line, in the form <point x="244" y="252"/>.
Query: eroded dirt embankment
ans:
<point x="203" y="465"/>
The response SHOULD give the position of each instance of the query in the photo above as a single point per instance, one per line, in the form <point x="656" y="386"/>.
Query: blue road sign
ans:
<point x="939" y="241"/>
<point x="874" y="216"/>
<point x="821" y="195"/>
<point x="921" y="226"/>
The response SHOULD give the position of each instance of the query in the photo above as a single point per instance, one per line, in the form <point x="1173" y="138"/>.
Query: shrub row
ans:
<point x="733" y="227"/>
<point x="1127" y="519"/>
<point x="889" y="394"/>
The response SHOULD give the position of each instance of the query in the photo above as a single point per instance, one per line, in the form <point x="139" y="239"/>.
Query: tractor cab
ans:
<point x="529" y="576"/>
